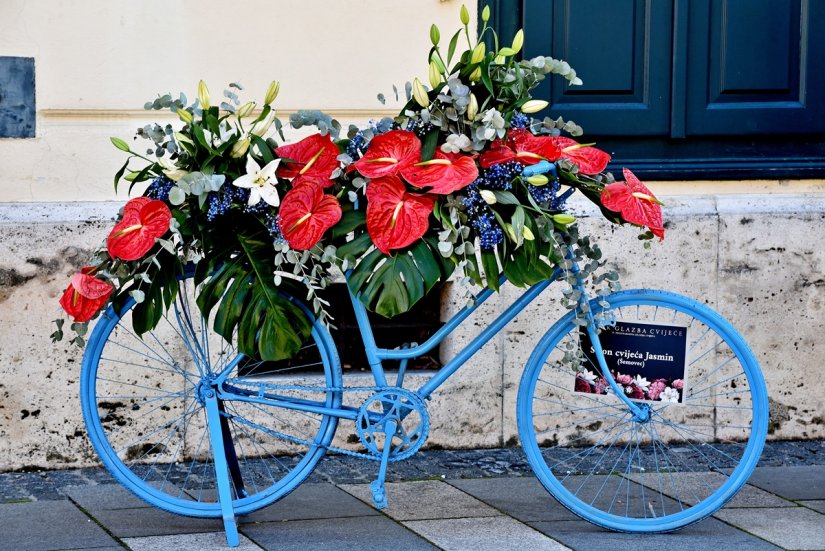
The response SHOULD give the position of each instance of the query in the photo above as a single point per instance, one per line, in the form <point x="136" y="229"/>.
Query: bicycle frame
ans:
<point x="376" y="355"/>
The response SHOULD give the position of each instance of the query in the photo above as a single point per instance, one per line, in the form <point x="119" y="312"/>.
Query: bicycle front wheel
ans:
<point x="704" y="433"/>
<point x="145" y="415"/>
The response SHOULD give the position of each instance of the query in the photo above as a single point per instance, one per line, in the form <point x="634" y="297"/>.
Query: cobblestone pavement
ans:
<point x="439" y="499"/>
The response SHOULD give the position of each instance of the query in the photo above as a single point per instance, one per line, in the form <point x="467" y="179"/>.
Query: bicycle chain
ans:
<point x="263" y="385"/>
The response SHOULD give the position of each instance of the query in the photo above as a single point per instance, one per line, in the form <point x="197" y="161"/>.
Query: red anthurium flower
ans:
<point x="530" y="149"/>
<point x="313" y="157"/>
<point x="388" y="153"/>
<point x="85" y="295"/>
<point x="497" y="153"/>
<point x="395" y="217"/>
<point x="143" y="221"/>
<point x="306" y="212"/>
<point x="635" y="203"/>
<point x="589" y="159"/>
<point x="444" y="173"/>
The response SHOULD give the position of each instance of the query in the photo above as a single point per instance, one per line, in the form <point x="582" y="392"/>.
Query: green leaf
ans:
<point x="429" y="145"/>
<point x="119" y="173"/>
<point x="265" y="150"/>
<point x="506" y="198"/>
<point x="356" y="247"/>
<point x="120" y="144"/>
<point x="350" y="221"/>
<point x="453" y="44"/>
<point x="490" y="266"/>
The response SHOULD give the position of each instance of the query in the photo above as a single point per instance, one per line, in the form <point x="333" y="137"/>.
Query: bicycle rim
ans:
<point x="140" y="403"/>
<point x="684" y="463"/>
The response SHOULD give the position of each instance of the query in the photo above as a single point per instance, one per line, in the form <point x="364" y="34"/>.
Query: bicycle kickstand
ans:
<point x="379" y="493"/>
<point x="213" y="416"/>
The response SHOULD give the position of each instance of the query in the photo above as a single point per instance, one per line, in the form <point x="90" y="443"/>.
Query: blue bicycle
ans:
<point x="191" y="426"/>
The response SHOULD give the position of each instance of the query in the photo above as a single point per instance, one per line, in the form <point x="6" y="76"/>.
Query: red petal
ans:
<point x="589" y="159"/>
<point x="458" y="173"/>
<point x="84" y="296"/>
<point x="318" y="150"/>
<point x="532" y="149"/>
<point x="306" y="213"/>
<point x="396" y="218"/>
<point x="400" y="145"/>
<point x="497" y="154"/>
<point x="619" y="197"/>
<point x="142" y="223"/>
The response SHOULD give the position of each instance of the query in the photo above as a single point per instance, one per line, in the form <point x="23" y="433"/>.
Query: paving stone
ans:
<point x="816" y="505"/>
<point x="426" y="499"/>
<point x="804" y="482"/>
<point x="103" y="496"/>
<point x="690" y="488"/>
<point x="707" y="535"/>
<point x="187" y="542"/>
<point x="151" y="521"/>
<point x="797" y="528"/>
<point x="483" y="534"/>
<point x="312" y="501"/>
<point x="373" y="533"/>
<point x="523" y="498"/>
<point x="45" y="525"/>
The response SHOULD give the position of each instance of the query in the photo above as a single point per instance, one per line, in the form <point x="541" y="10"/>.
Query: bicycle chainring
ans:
<point x="412" y="420"/>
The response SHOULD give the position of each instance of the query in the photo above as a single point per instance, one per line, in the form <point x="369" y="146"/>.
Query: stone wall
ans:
<point x="757" y="259"/>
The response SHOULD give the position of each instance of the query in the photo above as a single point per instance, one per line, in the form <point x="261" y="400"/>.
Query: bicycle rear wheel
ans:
<point x="631" y="475"/>
<point x="147" y="422"/>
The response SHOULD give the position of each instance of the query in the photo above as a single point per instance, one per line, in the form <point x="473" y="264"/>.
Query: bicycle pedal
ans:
<point x="379" y="494"/>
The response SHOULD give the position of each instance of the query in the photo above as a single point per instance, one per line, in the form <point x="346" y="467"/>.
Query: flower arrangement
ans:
<point x="637" y="388"/>
<point x="399" y="205"/>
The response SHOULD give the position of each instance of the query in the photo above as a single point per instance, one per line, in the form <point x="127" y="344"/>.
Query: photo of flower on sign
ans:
<point x="646" y="360"/>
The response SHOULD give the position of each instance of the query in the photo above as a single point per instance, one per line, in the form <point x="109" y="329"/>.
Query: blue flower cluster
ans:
<point x="546" y="195"/>
<point x="357" y="145"/>
<point x="500" y="177"/>
<point x="271" y="221"/>
<point x="419" y="127"/>
<point x="488" y="230"/>
<point x="520" y="120"/>
<point x="159" y="188"/>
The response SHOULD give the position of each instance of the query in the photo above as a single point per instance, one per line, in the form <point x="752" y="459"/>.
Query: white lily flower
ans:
<point x="641" y="382"/>
<point x="261" y="127"/>
<point x="260" y="182"/>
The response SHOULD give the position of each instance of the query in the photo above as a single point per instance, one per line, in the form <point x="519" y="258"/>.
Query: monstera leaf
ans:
<point x="249" y="307"/>
<point x="391" y="284"/>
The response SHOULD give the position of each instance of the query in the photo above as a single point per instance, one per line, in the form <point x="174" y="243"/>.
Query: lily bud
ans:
<point x="272" y="92"/>
<point x="527" y="233"/>
<point x="203" y="95"/>
<point x="183" y="138"/>
<point x="420" y="93"/>
<point x="465" y="15"/>
<point x="475" y="76"/>
<point x="185" y="116"/>
<point x="534" y="106"/>
<point x="472" y="108"/>
<point x="538" y="180"/>
<point x="488" y="196"/>
<point x="240" y="148"/>
<point x="262" y="126"/>
<point x="437" y="60"/>
<point x="511" y="232"/>
<point x="435" y="76"/>
<point x="478" y="53"/>
<point x="518" y="41"/>
<point x="485" y="13"/>
<point x="246" y="109"/>
<point x="435" y="34"/>
<point x="499" y="60"/>
<point x="564" y="219"/>
<point x="506" y="52"/>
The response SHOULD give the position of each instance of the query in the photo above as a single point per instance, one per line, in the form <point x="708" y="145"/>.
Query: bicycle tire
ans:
<point x="668" y="472"/>
<point x="133" y="390"/>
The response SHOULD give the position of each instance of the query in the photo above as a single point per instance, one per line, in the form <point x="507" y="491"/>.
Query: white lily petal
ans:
<point x="254" y="196"/>
<point x="270" y="195"/>
<point x="245" y="181"/>
<point x="268" y="171"/>
<point x="252" y="167"/>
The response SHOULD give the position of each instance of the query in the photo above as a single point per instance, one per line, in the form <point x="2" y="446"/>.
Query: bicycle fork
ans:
<point x="218" y="435"/>
<point x="640" y="413"/>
